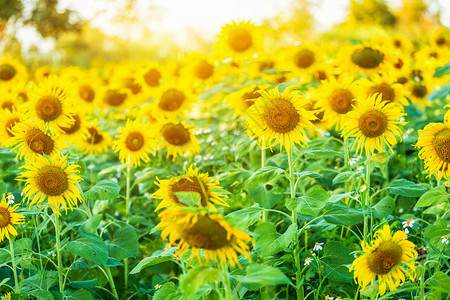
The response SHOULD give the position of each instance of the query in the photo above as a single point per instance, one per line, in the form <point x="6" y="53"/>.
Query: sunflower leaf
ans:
<point x="259" y="275"/>
<point x="189" y="198"/>
<point x="167" y="291"/>
<point x="197" y="281"/>
<point x="268" y="241"/>
<point x="432" y="197"/>
<point x="90" y="247"/>
<point x="125" y="244"/>
<point x="442" y="70"/>
<point x="406" y="188"/>
<point x="103" y="190"/>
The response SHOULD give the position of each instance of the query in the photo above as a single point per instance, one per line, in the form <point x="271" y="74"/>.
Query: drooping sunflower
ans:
<point x="8" y="119"/>
<point x="134" y="143"/>
<point x="386" y="257"/>
<point x="373" y="123"/>
<point x="204" y="231"/>
<point x="51" y="178"/>
<point x="434" y="140"/>
<point x="8" y="218"/>
<point x="51" y="102"/>
<point x="12" y="71"/>
<point x="33" y="139"/>
<point x="178" y="139"/>
<point x="97" y="141"/>
<point x="115" y="96"/>
<point x="279" y="118"/>
<point x="191" y="181"/>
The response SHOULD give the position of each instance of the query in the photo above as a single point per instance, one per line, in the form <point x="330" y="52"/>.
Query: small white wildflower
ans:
<point x="186" y="154"/>
<point x="402" y="119"/>
<point x="53" y="254"/>
<point x="236" y="132"/>
<point x="206" y="130"/>
<point x="10" y="196"/>
<point x="158" y="286"/>
<point x="147" y="195"/>
<point x="115" y="179"/>
<point x="91" y="166"/>
<point x="308" y="261"/>
<point x="209" y="139"/>
<point x="116" y="213"/>
<point x="351" y="161"/>
<point x="444" y="239"/>
<point x="185" y="163"/>
<point x="233" y="148"/>
<point x="363" y="188"/>
<point x="318" y="246"/>
<point x="406" y="231"/>
<point x="329" y="298"/>
<point x="198" y="158"/>
<point x="140" y="186"/>
<point x="222" y="134"/>
<point x="224" y="148"/>
<point x="401" y="210"/>
<point x="213" y="143"/>
<point x="23" y="194"/>
<point x="209" y="156"/>
<point x="360" y="169"/>
<point x="408" y="223"/>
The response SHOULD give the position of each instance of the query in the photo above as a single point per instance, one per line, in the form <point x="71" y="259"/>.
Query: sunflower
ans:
<point x="51" y="102"/>
<point x="172" y="100"/>
<point x="97" y="140"/>
<point x="54" y="179"/>
<point x="12" y="71"/>
<point x="10" y="99"/>
<point x="302" y="59"/>
<point x="150" y="75"/>
<point x="115" y="96"/>
<point x="33" y="139"/>
<point x="244" y="98"/>
<point x="389" y="90"/>
<point x="42" y="73"/>
<point x="366" y="58"/>
<point x="8" y="218"/>
<point x="386" y="257"/>
<point x="336" y="97"/>
<point x="134" y="142"/>
<point x="198" y="68"/>
<point x="204" y="231"/>
<point x="373" y="123"/>
<point x="8" y="119"/>
<point x="191" y="181"/>
<point x="76" y="132"/>
<point x="279" y="118"/>
<point x="177" y="139"/>
<point x="434" y="140"/>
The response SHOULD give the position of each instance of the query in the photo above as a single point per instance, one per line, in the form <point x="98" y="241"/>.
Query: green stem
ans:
<point x="85" y="201"/>
<point x="226" y="280"/>
<point x="365" y="199"/>
<point x="128" y="191"/>
<point x="16" y="282"/>
<point x="111" y="282"/>
<point x="58" y="254"/>
<point x="263" y="164"/>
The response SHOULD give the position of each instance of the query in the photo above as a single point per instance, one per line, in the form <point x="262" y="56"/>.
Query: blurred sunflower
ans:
<point x="134" y="143"/>
<point x="8" y="218"/>
<point x="199" y="69"/>
<point x="302" y="59"/>
<point x="42" y="73"/>
<point x="8" y="119"/>
<point x="33" y="139"/>
<point x="244" y="98"/>
<point x="10" y="99"/>
<point x="12" y="71"/>
<point x="386" y="257"/>
<point x="97" y="141"/>
<point x="389" y="90"/>
<point x="51" y="178"/>
<point x="203" y="231"/>
<point x="363" y="59"/>
<point x="76" y="132"/>
<point x="150" y="75"/>
<point x="280" y="118"/>
<point x="191" y="181"/>
<point x="172" y="100"/>
<point x="373" y="123"/>
<point x="177" y="139"/>
<point x="434" y="140"/>
<point x="115" y="96"/>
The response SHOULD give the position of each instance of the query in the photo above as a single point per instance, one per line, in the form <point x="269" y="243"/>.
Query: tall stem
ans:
<point x="16" y="282"/>
<point x="58" y="254"/>
<point x="127" y="212"/>
<point x="366" y="198"/>
<point x="292" y="182"/>
<point x="226" y="280"/>
<point x="263" y="164"/>
<point x="111" y="282"/>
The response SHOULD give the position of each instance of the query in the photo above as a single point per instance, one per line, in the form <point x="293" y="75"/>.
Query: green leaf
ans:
<point x="103" y="190"/>
<point x="167" y="291"/>
<point x="83" y="284"/>
<point x="383" y="208"/>
<point x="43" y="295"/>
<point x="311" y="204"/>
<point x="439" y="281"/>
<point x="2" y="188"/>
<point x="156" y="258"/>
<point x="246" y="217"/>
<point x="82" y="168"/>
<point x="42" y="281"/>
<point x="433" y="233"/>
<point x="335" y="257"/>
<point x="406" y="188"/>
<point x="81" y="295"/>
<point x="338" y="197"/>
<point x="259" y="275"/>
<point x="378" y="160"/>
<point x="90" y="247"/>
<point x="441" y="93"/>
<point x="442" y="70"/>
<point x="125" y="243"/>
<point x="433" y="197"/>
<point x="17" y="244"/>
<point x="321" y="153"/>
<point x="189" y="198"/>
<point x="268" y="241"/>
<point x="342" y="215"/>
<point x="266" y="195"/>
<point x="345" y="176"/>
<point x="91" y="224"/>
<point x="196" y="281"/>
<point x="112" y="262"/>
<point x="308" y="174"/>
<point x="266" y="174"/>
<point x="6" y="154"/>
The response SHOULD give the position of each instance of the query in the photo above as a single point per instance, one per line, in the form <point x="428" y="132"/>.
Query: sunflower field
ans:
<point x="277" y="162"/>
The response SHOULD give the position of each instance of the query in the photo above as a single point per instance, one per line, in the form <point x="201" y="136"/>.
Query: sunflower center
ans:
<point x="175" y="134"/>
<point x="134" y="141"/>
<point x="48" y="108"/>
<point x="171" y="100"/>
<point x="191" y="184"/>
<point x="419" y="90"/>
<point x="114" y="97"/>
<point x="373" y="123"/>
<point x="134" y="87"/>
<point x="367" y="58"/>
<point x="86" y="93"/>
<point x="203" y="69"/>
<point x="74" y="127"/>
<point x="249" y="96"/>
<point x="281" y="116"/>
<point x="441" y="144"/>
<point x="8" y="105"/>
<point x="268" y="64"/>
<point x="206" y="234"/>
<point x="402" y="80"/>
<point x="320" y="75"/>
<point x="39" y="142"/>
<point x="5" y="217"/>
<point x="10" y="124"/>
<point x="94" y="136"/>
<point x="240" y="39"/>
<point x="387" y="93"/>
<point x="52" y="180"/>
<point x="399" y="64"/>
<point x="152" y="77"/>
<point x="441" y="41"/>
<point x="23" y="96"/>
<point x="397" y="43"/>
<point x="387" y="255"/>
<point x="341" y="101"/>
<point x="304" y="58"/>
<point x="7" y="72"/>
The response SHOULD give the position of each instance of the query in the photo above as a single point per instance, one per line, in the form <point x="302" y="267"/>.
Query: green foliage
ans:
<point x="198" y="280"/>
<point x="406" y="188"/>
<point x="443" y="70"/>
<point x="90" y="247"/>
<point x="125" y="243"/>
<point x="311" y="204"/>
<point x="259" y="275"/>
<point x="268" y="241"/>
<point x="103" y="190"/>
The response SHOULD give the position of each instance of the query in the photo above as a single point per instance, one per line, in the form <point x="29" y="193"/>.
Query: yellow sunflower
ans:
<point x="336" y="97"/>
<point x="8" y="119"/>
<point x="244" y="98"/>
<point x="279" y="118"/>
<point x="115" y="96"/>
<point x="386" y="257"/>
<point x="368" y="58"/>
<point x="173" y="100"/>
<point x="8" y="218"/>
<point x="434" y="140"/>
<point x="10" y="99"/>
<point x="33" y="139"/>
<point x="302" y="59"/>
<point x="134" y="143"/>
<point x="390" y="91"/>
<point x="199" y="69"/>
<point x="97" y="140"/>
<point x="51" y="102"/>
<point x="191" y="181"/>
<point x="76" y="132"/>
<point x="178" y="139"/>
<point x="373" y="123"/>
<point x="204" y="231"/>
<point x="12" y="71"/>
<point x="42" y="73"/>
<point x="150" y="75"/>
<point x="54" y="179"/>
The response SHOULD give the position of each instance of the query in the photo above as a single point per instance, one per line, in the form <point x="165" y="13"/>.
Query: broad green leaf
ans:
<point x="379" y="161"/>
<point x="311" y="204"/>
<point x="441" y="93"/>
<point x="196" y="281"/>
<point x="335" y="257"/>
<point x="42" y="295"/>
<point x="155" y="259"/>
<point x="433" y="197"/>
<point x="245" y="217"/>
<point x="83" y="284"/>
<point x="167" y="291"/>
<point x="80" y="295"/>
<point x="383" y="208"/>
<point x="90" y="247"/>
<point x="112" y="262"/>
<point x="125" y="243"/>
<point x="6" y="154"/>
<point x="336" y="198"/>
<point x="266" y="174"/>
<point x="189" y="198"/>
<point x="2" y="188"/>
<point x="442" y="70"/>
<point x="259" y="275"/>
<point x="322" y="153"/>
<point x="268" y="241"/>
<point x="24" y="243"/>
<point x="406" y="188"/>
<point x="308" y="174"/>
<point x="103" y="190"/>
<point x="342" y="215"/>
<point x="266" y="195"/>
<point x="42" y="281"/>
<point x="82" y="167"/>
<point x="433" y="233"/>
<point x="439" y="281"/>
<point x="91" y="224"/>
<point x="345" y="176"/>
